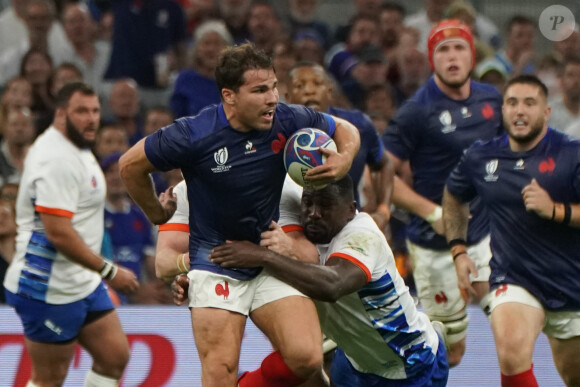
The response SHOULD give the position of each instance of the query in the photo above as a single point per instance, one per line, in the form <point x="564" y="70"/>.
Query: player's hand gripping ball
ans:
<point x="302" y="152"/>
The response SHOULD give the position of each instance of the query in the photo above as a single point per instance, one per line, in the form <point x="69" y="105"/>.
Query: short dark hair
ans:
<point x="518" y="19"/>
<point x="393" y="6"/>
<point x="527" y="79"/>
<point x="65" y="93"/>
<point x="234" y="61"/>
<point x="345" y="188"/>
<point x="307" y="64"/>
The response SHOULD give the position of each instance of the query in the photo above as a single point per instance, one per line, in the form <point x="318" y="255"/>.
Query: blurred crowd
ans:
<point x="152" y="61"/>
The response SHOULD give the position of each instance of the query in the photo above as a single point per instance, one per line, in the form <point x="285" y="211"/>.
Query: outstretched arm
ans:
<point x="325" y="283"/>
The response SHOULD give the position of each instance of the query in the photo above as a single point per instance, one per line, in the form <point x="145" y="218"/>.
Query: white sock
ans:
<point x="93" y="379"/>
<point x="30" y="384"/>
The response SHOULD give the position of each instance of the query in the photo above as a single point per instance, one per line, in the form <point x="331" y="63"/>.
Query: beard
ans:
<point x="454" y="85"/>
<point x="524" y="139"/>
<point x="75" y="136"/>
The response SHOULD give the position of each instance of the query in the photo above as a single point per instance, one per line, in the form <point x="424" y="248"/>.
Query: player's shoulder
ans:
<point x="205" y="123"/>
<point x="484" y="91"/>
<point x="490" y="146"/>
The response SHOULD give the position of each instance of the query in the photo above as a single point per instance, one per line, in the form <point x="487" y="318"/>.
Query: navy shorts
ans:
<point x="343" y="374"/>
<point x="59" y="323"/>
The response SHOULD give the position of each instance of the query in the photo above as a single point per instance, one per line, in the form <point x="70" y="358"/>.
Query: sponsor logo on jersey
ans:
<point x="465" y="113"/>
<point x="250" y="148"/>
<point x="520" y="165"/>
<point x="490" y="169"/>
<point x="447" y="122"/>
<point x="221" y="158"/>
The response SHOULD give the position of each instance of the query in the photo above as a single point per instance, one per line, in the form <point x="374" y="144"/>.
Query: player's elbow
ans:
<point x="329" y="290"/>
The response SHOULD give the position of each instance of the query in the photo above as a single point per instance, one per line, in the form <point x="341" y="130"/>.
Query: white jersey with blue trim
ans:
<point x="63" y="180"/>
<point x="378" y="327"/>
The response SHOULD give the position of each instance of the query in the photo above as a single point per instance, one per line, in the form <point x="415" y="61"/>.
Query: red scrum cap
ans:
<point x="446" y="30"/>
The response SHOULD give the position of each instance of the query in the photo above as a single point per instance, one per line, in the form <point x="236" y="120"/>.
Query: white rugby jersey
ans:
<point x="180" y="219"/>
<point x="63" y="180"/>
<point x="378" y="327"/>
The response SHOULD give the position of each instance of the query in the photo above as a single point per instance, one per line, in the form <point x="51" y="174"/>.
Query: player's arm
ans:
<point x="456" y="218"/>
<point x="325" y="283"/>
<point x="171" y="257"/>
<point x="61" y="233"/>
<point x="407" y="198"/>
<point x="538" y="200"/>
<point x="347" y="139"/>
<point x="135" y="167"/>
<point x="291" y="243"/>
<point x="382" y="176"/>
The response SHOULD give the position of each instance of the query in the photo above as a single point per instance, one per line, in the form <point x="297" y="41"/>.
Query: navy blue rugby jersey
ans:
<point x="234" y="179"/>
<point x="371" y="148"/>
<point x="538" y="254"/>
<point x="432" y="131"/>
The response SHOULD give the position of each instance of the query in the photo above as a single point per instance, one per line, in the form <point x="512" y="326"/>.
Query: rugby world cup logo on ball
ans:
<point x="302" y="152"/>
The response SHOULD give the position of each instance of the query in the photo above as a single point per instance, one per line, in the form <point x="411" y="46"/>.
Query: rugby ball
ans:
<point x="302" y="152"/>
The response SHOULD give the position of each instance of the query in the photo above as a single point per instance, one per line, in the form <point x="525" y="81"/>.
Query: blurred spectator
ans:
<point x="302" y="16"/>
<point x="379" y="104"/>
<point x="465" y="13"/>
<point x="433" y="12"/>
<point x="342" y="57"/>
<point x="39" y="18"/>
<point x="110" y="139"/>
<point x="148" y="45"/>
<point x="283" y="58"/>
<point x="309" y="47"/>
<point x="566" y="106"/>
<point x="198" y="11"/>
<point x="195" y="88"/>
<point x="370" y="70"/>
<point x="17" y="94"/>
<point x="156" y="118"/>
<point x="368" y="8"/>
<point x="7" y="241"/>
<point x="265" y="26"/>
<point x="90" y="56"/>
<point x="414" y="71"/>
<point x="37" y="68"/>
<point x="125" y="106"/>
<point x="391" y="17"/>
<point x="131" y="237"/>
<point x="518" y="55"/>
<point x="235" y="14"/>
<point x="493" y="72"/>
<point x="19" y="133"/>
<point x="568" y="48"/>
<point x="22" y="16"/>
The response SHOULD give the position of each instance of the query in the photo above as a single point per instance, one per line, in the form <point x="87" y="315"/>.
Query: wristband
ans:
<point x="436" y="215"/>
<point x="457" y="250"/>
<point x="553" y="212"/>
<point x="458" y="254"/>
<point x="108" y="270"/>
<point x="567" y="214"/>
<point x="182" y="265"/>
<point x="456" y="242"/>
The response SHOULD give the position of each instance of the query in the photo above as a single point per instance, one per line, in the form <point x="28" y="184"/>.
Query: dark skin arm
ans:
<point x="337" y="278"/>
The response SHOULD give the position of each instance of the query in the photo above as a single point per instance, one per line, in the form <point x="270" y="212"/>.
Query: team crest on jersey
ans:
<point x="94" y="182"/>
<point x="490" y="169"/>
<point x="465" y="113"/>
<point x="520" y="165"/>
<point x="447" y="122"/>
<point x="250" y="148"/>
<point x="221" y="158"/>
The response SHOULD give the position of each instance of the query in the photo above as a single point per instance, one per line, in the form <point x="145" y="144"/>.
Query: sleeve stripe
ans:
<point x="54" y="211"/>
<point x="174" y="227"/>
<point x="355" y="261"/>
<point x="291" y="227"/>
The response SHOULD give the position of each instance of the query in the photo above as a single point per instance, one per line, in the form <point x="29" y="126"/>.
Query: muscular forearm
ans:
<point x="455" y="217"/>
<point x="315" y="281"/>
<point x="383" y="180"/>
<point x="408" y="199"/>
<point x="347" y="138"/>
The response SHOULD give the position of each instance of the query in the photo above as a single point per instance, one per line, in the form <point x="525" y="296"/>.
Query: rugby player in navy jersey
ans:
<point x="529" y="181"/>
<point x="308" y="85"/>
<point x="231" y="158"/>
<point x="431" y="131"/>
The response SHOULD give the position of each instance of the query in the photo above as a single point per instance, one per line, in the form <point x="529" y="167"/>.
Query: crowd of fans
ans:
<point x="152" y="61"/>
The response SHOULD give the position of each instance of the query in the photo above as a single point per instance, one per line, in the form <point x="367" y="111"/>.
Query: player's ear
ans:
<point x="228" y="96"/>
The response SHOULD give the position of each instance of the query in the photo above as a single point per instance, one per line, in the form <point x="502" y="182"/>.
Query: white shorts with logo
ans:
<point x="560" y="325"/>
<point x="211" y="290"/>
<point x="436" y="278"/>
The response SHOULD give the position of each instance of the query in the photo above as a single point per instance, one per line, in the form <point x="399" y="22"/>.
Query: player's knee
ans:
<point x="113" y="364"/>
<point x="455" y="353"/>
<point x="304" y="362"/>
